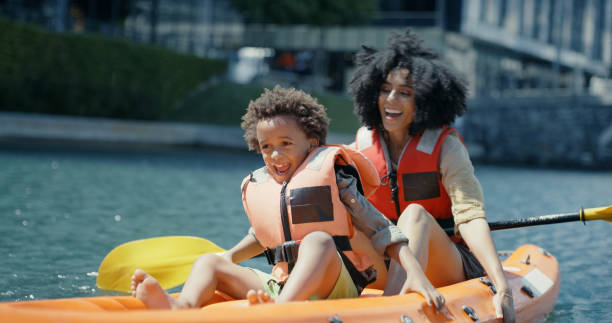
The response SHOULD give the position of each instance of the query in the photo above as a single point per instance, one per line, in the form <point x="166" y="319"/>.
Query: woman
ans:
<point x="406" y="99"/>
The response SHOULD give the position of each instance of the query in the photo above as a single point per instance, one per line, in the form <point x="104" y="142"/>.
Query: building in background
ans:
<point x="504" y="47"/>
<point x="539" y="45"/>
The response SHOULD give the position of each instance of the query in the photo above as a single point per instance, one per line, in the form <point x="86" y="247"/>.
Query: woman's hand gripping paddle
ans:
<point x="168" y="259"/>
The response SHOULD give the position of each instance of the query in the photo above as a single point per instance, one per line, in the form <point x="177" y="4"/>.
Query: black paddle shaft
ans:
<point x="527" y="222"/>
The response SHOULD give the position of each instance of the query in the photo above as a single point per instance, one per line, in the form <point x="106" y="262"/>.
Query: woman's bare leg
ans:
<point x="432" y="248"/>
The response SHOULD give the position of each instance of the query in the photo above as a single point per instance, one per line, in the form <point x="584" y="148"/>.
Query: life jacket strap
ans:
<point x="361" y="279"/>
<point x="288" y="251"/>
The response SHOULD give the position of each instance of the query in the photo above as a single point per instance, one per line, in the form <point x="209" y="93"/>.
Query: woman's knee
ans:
<point x="414" y="214"/>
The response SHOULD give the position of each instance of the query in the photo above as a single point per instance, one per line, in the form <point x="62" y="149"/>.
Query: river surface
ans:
<point x="63" y="209"/>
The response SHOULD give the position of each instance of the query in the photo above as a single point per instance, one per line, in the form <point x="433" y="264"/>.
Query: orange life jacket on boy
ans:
<point x="308" y="202"/>
<point x="418" y="178"/>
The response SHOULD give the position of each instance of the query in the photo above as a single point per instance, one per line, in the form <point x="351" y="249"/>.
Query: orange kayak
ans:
<point x="532" y="273"/>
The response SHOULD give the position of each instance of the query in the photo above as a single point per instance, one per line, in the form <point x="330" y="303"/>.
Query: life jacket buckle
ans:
<point x="290" y="251"/>
<point x="370" y="274"/>
<point x="287" y="252"/>
<point x="269" y="256"/>
<point x="384" y="181"/>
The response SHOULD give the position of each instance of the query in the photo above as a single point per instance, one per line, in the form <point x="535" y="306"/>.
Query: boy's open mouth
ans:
<point x="282" y="169"/>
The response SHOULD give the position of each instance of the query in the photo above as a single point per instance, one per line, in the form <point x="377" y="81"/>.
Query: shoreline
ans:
<point x="18" y="128"/>
<point x="32" y="130"/>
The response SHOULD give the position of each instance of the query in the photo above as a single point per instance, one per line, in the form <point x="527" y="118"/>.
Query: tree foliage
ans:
<point x="87" y="75"/>
<point x="310" y="12"/>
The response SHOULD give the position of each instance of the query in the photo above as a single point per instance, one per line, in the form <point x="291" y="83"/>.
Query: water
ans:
<point x="63" y="210"/>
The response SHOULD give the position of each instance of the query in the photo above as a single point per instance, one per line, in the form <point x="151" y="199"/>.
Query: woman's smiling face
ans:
<point x="396" y="102"/>
<point x="283" y="145"/>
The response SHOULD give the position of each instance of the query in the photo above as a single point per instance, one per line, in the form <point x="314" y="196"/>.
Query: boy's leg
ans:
<point x="208" y="273"/>
<point x="316" y="270"/>
<point x="431" y="246"/>
<point x="212" y="272"/>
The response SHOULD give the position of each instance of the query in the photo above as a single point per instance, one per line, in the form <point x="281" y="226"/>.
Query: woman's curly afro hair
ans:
<point x="440" y="92"/>
<point x="309" y="114"/>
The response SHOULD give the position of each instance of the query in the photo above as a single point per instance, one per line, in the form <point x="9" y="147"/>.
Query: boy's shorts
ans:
<point x="344" y="288"/>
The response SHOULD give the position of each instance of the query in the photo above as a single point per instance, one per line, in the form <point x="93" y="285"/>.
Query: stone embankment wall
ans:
<point x="26" y="128"/>
<point x="570" y="131"/>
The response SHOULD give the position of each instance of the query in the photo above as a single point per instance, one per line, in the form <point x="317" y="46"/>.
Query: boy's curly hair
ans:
<point x="440" y="92"/>
<point x="309" y="114"/>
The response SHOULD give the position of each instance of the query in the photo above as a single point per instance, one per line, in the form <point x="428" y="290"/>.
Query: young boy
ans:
<point x="320" y="193"/>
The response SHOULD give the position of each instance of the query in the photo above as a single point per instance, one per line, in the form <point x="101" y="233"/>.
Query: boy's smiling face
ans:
<point x="283" y="145"/>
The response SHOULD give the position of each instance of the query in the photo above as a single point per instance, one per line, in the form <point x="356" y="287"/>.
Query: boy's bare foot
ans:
<point x="149" y="291"/>
<point x="258" y="297"/>
<point x="137" y="278"/>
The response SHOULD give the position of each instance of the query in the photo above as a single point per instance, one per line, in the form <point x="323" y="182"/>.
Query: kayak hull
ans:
<point x="532" y="273"/>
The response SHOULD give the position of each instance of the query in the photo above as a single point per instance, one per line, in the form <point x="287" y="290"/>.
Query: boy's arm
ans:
<point x="365" y="217"/>
<point x="247" y="248"/>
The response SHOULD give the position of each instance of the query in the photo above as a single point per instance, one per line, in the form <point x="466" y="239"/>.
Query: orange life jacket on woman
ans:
<point x="418" y="178"/>
<point x="308" y="202"/>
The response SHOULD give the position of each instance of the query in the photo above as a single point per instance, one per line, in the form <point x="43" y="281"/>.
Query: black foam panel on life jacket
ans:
<point x="420" y="186"/>
<point x="311" y="204"/>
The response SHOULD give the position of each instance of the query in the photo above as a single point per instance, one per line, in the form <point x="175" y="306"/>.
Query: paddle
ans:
<point x="597" y="213"/>
<point x="168" y="259"/>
